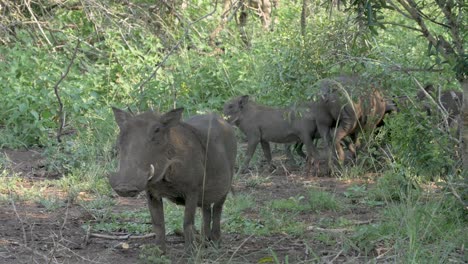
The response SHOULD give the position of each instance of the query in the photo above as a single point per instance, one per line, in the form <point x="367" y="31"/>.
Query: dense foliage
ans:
<point x="142" y="54"/>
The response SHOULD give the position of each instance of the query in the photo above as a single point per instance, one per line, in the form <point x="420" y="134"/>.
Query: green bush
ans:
<point x="394" y="186"/>
<point x="419" y="146"/>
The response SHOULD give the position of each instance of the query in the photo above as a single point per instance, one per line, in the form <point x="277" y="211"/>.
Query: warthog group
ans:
<point x="192" y="162"/>
<point x="344" y="107"/>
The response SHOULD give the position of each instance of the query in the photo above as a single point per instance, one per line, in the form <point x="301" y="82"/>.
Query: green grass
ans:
<point x="314" y="201"/>
<point x="417" y="230"/>
<point x="320" y="201"/>
<point x="414" y="228"/>
<point x="151" y="254"/>
<point x="9" y="140"/>
<point x="393" y="186"/>
<point x="136" y="221"/>
<point x="292" y="204"/>
<point x="238" y="203"/>
<point x="100" y="207"/>
<point x="131" y="222"/>
<point x="52" y="203"/>
<point x="13" y="186"/>
<point x="276" y="216"/>
<point x="256" y="180"/>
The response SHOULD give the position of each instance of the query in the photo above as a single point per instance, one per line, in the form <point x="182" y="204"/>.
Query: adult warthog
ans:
<point x="190" y="163"/>
<point x="448" y="102"/>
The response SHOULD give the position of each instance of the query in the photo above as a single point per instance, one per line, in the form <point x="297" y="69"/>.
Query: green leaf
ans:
<point x="35" y="114"/>
<point x="22" y="107"/>
<point x="267" y="259"/>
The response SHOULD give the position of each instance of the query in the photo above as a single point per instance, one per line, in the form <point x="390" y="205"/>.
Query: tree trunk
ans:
<point x="464" y="84"/>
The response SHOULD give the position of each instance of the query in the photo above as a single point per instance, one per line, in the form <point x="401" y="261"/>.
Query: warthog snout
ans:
<point x="123" y="189"/>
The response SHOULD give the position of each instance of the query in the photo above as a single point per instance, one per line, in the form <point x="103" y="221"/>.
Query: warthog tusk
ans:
<point x="232" y="120"/>
<point x="151" y="172"/>
<point x="164" y="170"/>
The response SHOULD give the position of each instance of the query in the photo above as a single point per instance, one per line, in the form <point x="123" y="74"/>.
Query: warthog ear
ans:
<point x="121" y="116"/>
<point x="172" y="117"/>
<point x="243" y="101"/>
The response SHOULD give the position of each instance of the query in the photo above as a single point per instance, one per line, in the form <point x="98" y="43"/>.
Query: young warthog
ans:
<point x="263" y="124"/>
<point x="190" y="163"/>
<point x="347" y="106"/>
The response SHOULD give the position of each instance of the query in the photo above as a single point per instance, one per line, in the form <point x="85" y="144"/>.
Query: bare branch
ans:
<point x="174" y="48"/>
<point x="122" y="237"/>
<point x="392" y="4"/>
<point x="457" y="195"/>
<point x="403" y="26"/>
<point x="179" y="17"/>
<point x="28" y="5"/>
<point x="407" y="70"/>
<point x="61" y="113"/>
<point x="452" y="24"/>
<point x="25" y="240"/>
<point x="227" y="8"/>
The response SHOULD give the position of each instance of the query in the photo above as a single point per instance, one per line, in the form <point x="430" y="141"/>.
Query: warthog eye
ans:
<point x="154" y="132"/>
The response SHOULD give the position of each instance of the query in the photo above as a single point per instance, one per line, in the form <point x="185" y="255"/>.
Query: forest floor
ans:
<point x="31" y="234"/>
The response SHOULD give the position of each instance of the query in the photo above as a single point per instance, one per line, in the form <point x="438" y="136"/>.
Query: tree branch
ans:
<point x="407" y="70"/>
<point x="391" y="3"/>
<point x="28" y="5"/>
<point x="227" y="8"/>
<point x="401" y="25"/>
<point x="433" y="20"/>
<point x="176" y="46"/>
<point x="411" y="7"/>
<point x="122" y="237"/>
<point x="60" y="112"/>
<point x="172" y="9"/>
<point x="452" y="24"/>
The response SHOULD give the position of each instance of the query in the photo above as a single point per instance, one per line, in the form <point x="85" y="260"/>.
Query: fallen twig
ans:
<point x="237" y="249"/>
<point x="454" y="192"/>
<point x="331" y="230"/>
<point x="122" y="237"/>
<point x="339" y="230"/>
<point x="337" y="255"/>
<point x="86" y="238"/>
<point x="25" y="240"/>
<point x="363" y="222"/>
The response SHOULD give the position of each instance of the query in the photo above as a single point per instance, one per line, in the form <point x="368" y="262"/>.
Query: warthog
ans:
<point x="190" y="163"/>
<point x="347" y="106"/>
<point x="263" y="124"/>
<point x="449" y="101"/>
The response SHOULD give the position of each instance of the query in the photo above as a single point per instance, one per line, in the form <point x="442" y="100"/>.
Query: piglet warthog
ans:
<point x="348" y="105"/>
<point x="263" y="124"/>
<point x="190" y="163"/>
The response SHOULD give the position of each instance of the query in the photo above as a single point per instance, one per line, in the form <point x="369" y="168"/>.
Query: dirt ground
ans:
<point x="31" y="234"/>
